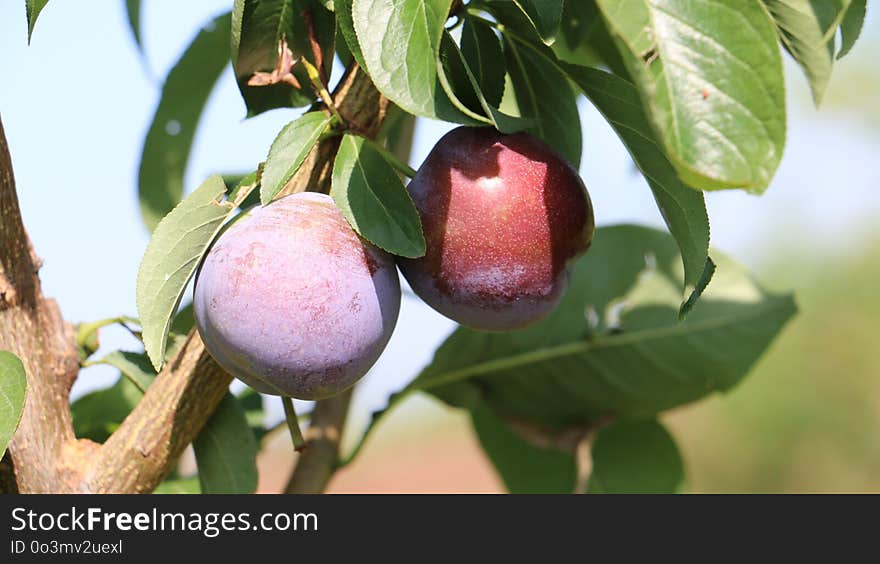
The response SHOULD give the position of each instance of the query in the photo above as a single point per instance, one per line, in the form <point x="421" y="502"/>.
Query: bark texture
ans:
<point x="44" y="455"/>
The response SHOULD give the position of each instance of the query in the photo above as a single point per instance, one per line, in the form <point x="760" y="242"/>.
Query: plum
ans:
<point x="504" y="216"/>
<point x="291" y="301"/>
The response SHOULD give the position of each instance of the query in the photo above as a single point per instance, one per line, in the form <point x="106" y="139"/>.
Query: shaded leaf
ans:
<point x="373" y="199"/>
<point x="403" y="59"/>
<point x="464" y="90"/>
<point x="33" y="9"/>
<point x="802" y="26"/>
<point x="543" y="94"/>
<point x="172" y="256"/>
<point x="635" y="457"/>
<point x="260" y="31"/>
<point x="134" y="366"/>
<point x="98" y="414"/>
<point x="545" y="16"/>
<point x="179" y="486"/>
<point x="636" y="359"/>
<point x="851" y="26"/>
<point x="524" y="467"/>
<point x="133" y="11"/>
<point x="184" y="320"/>
<point x="345" y="26"/>
<point x="683" y="208"/>
<point x="13" y="390"/>
<point x="226" y="451"/>
<point x="586" y="40"/>
<point x="252" y="403"/>
<point x="397" y="133"/>
<point x="481" y="49"/>
<point x="289" y="150"/>
<point x="710" y="74"/>
<point x="167" y="145"/>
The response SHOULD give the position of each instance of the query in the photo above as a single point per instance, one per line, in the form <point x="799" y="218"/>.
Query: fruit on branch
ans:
<point x="291" y="301"/>
<point x="504" y="217"/>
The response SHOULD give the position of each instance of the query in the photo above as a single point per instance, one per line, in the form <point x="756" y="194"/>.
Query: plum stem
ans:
<point x="293" y="424"/>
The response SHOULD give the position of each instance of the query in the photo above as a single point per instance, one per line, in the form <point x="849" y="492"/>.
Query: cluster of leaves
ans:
<point x="695" y="92"/>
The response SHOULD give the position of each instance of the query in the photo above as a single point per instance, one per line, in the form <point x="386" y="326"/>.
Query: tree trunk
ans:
<point x="44" y="455"/>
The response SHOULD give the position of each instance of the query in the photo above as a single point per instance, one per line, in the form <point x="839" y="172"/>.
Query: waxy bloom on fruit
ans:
<point x="291" y="301"/>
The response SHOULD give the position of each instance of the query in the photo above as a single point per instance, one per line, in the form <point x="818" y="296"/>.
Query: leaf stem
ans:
<point x="392" y="159"/>
<point x="293" y="424"/>
<point x="315" y="78"/>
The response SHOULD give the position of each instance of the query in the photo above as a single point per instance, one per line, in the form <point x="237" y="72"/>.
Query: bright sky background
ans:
<point x="76" y="105"/>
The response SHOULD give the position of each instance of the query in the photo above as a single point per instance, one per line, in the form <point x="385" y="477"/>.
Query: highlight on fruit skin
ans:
<point x="504" y="218"/>
<point x="293" y="302"/>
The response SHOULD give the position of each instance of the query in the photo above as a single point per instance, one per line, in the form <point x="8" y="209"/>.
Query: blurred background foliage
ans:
<point x="807" y="419"/>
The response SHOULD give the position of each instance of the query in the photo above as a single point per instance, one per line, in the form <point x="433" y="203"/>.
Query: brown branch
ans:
<point x="316" y="464"/>
<point x="172" y="412"/>
<point x="45" y="455"/>
<point x="32" y="328"/>
<point x="364" y="109"/>
<point x="150" y="440"/>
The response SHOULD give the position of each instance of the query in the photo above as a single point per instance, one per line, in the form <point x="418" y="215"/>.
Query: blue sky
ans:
<point x="76" y="105"/>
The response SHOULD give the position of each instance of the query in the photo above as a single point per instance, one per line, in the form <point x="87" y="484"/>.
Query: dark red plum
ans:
<point x="504" y="217"/>
<point x="291" y="301"/>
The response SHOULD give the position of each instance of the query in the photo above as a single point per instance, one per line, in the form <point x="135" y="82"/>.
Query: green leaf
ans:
<point x="258" y="29"/>
<point x="524" y="467"/>
<point x="184" y="320"/>
<point x="615" y="345"/>
<point x="133" y="11"/>
<point x="373" y="199"/>
<point x="345" y="25"/>
<point x="543" y="93"/>
<point x="13" y="389"/>
<point x="252" y="403"/>
<point x="226" y="451"/>
<point x="33" y="9"/>
<point x="482" y="52"/>
<point x="98" y="414"/>
<point x="402" y="60"/>
<point x="683" y="208"/>
<point x="635" y="457"/>
<point x="463" y="89"/>
<point x="179" y="486"/>
<point x="134" y="366"/>
<point x="169" y="140"/>
<point x="289" y="150"/>
<point x="851" y="26"/>
<point x="544" y="15"/>
<point x="397" y="133"/>
<point x="802" y="26"/>
<point x="172" y="256"/>
<point x="244" y="192"/>
<point x="586" y="38"/>
<point x="710" y="75"/>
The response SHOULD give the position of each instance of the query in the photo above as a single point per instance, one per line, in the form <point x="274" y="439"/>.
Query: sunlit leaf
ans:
<point x="13" y="389"/>
<point x="226" y="451"/>
<point x="373" y="199"/>
<point x="710" y="74"/>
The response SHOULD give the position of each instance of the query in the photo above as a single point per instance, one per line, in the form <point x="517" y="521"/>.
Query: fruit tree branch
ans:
<point x="45" y="455"/>
<point x="175" y="407"/>
<point x="363" y="108"/>
<point x="43" y="452"/>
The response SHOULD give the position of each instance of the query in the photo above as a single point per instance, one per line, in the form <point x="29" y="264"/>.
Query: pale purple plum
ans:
<point x="291" y="301"/>
<point x="504" y="218"/>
